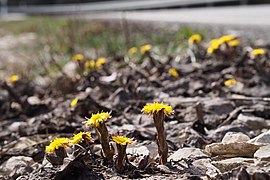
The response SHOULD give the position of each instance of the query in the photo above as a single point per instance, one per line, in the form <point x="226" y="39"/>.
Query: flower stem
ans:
<point x="121" y="158"/>
<point x="161" y="136"/>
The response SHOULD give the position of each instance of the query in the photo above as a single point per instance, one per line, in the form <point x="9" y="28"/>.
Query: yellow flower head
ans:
<point x="132" y="51"/>
<point x="77" y="57"/>
<point x="156" y="107"/>
<point x="234" y="43"/>
<point x="13" y="78"/>
<point x="57" y="143"/>
<point x="258" y="52"/>
<point x="122" y="140"/>
<point x="97" y="118"/>
<point x="77" y="138"/>
<point x="89" y="64"/>
<point x="74" y="102"/>
<point x="173" y="72"/>
<point x="195" y="39"/>
<point x="214" y="45"/>
<point x="227" y="38"/>
<point x="145" y="48"/>
<point x="100" y="62"/>
<point x="230" y="82"/>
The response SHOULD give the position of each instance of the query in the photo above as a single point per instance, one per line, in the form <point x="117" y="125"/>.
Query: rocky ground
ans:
<point x="217" y="131"/>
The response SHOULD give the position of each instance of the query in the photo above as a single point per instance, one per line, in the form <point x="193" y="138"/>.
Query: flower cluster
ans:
<point x="224" y="41"/>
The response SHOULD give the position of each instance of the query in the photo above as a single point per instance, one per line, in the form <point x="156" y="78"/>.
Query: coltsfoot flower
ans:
<point x="173" y="72"/>
<point x="74" y="102"/>
<point x="13" y="78"/>
<point x="122" y="140"/>
<point x="98" y="118"/>
<point x="56" y="144"/>
<point x="234" y="43"/>
<point x="156" y="107"/>
<point x="100" y="62"/>
<point x="89" y="64"/>
<point x="77" y="57"/>
<point x="214" y="45"/>
<point x="132" y="51"/>
<point x="230" y="82"/>
<point x="145" y="48"/>
<point x="227" y="38"/>
<point x="78" y="138"/>
<point x="195" y="39"/>
<point x="257" y="52"/>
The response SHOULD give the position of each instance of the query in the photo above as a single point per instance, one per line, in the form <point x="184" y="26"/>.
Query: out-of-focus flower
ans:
<point x="13" y="78"/>
<point x="173" y="72"/>
<point x="230" y="82"/>
<point x="89" y="64"/>
<point x="132" y="51"/>
<point x="78" y="138"/>
<point x="195" y="39"/>
<point x="234" y="43"/>
<point x="257" y="52"/>
<point x="77" y="57"/>
<point x="145" y="48"/>
<point x="156" y="107"/>
<point x="214" y="45"/>
<point x="100" y="62"/>
<point x="227" y="38"/>
<point x="74" y="102"/>
<point x="96" y="119"/>
<point x="56" y="144"/>
<point x="122" y="140"/>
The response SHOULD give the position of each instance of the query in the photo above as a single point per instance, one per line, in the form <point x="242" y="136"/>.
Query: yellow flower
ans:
<point x="77" y="138"/>
<point x="122" y="140"/>
<point x="227" y="38"/>
<point x="132" y="51"/>
<point x="257" y="52"/>
<point x="214" y="45"/>
<point x="145" y="48"/>
<point x="156" y="107"/>
<point x="234" y="43"/>
<point x="173" y="72"/>
<point x="77" y="57"/>
<point x="195" y="39"/>
<point x="100" y="62"/>
<point x="230" y="82"/>
<point x="13" y="78"/>
<point x="97" y="118"/>
<point x="74" y="102"/>
<point x="57" y="143"/>
<point x="89" y="64"/>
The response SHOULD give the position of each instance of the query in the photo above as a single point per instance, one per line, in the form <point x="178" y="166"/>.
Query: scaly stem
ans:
<point x="103" y="137"/>
<point x="121" y="158"/>
<point x="161" y="136"/>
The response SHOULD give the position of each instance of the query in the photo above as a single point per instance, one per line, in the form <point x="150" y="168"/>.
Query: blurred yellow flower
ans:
<point x="214" y="45"/>
<point x="145" y="48"/>
<point x="122" y="140"/>
<point x="173" y="72"/>
<point x="156" y="107"/>
<point x="57" y="143"/>
<point x="74" y="102"/>
<point x="77" y="138"/>
<point x="230" y="82"/>
<point x="234" y="43"/>
<point x="77" y="57"/>
<point x="100" y="62"/>
<point x="132" y="51"/>
<point x="227" y="38"/>
<point x="97" y="118"/>
<point x="13" y="78"/>
<point x="257" y="52"/>
<point x="89" y="64"/>
<point x="195" y="39"/>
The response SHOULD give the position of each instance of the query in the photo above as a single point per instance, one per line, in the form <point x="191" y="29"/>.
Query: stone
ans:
<point x="253" y="122"/>
<point x="141" y="151"/>
<point x="185" y="153"/>
<point x="206" y="167"/>
<point x="17" y="165"/>
<point x="243" y="149"/>
<point x="232" y="137"/>
<point x="262" y="139"/>
<point x="231" y="163"/>
<point x="263" y="153"/>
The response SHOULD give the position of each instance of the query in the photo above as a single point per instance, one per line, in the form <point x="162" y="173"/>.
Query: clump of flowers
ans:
<point x="158" y="112"/>
<point x="95" y="65"/>
<point x="121" y="144"/>
<point x="56" y="150"/>
<point x="173" y="72"/>
<point x="223" y="44"/>
<point x="98" y="121"/>
<point x="195" y="39"/>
